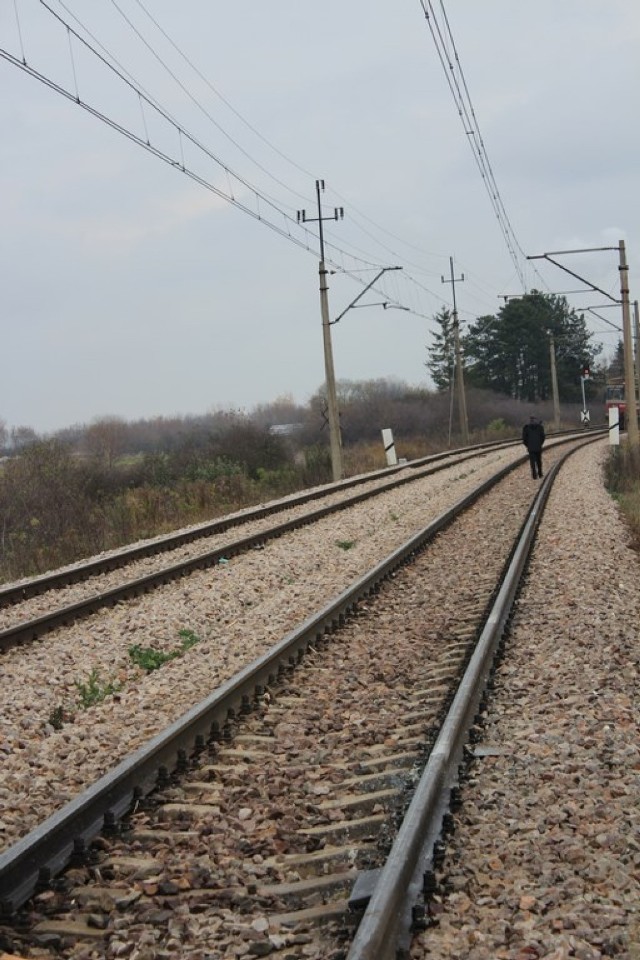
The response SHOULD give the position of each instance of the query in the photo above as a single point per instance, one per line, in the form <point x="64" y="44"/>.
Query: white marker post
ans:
<point x="584" y="416"/>
<point x="389" y="447"/>
<point x="614" y="426"/>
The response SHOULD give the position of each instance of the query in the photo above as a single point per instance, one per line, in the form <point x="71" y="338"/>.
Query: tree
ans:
<point x="104" y="439"/>
<point x="615" y="369"/>
<point x="23" y="437"/>
<point x="442" y="354"/>
<point x="510" y="353"/>
<point x="45" y="513"/>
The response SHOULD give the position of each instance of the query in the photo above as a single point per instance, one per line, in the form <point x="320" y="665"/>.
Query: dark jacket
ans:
<point x="533" y="436"/>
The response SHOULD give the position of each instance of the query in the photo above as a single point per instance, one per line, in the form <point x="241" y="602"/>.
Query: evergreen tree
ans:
<point x="510" y="353"/>
<point x="442" y="353"/>
<point x="615" y="369"/>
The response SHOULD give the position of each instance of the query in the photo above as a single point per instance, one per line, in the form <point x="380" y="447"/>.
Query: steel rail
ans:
<point x="44" y="852"/>
<point x="384" y="930"/>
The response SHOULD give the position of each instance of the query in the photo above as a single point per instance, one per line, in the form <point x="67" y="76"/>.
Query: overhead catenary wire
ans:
<point x="223" y="99"/>
<point x="15" y="8"/>
<point x="130" y="135"/>
<point x="456" y="81"/>
<point x="108" y="59"/>
<point x="337" y="259"/>
<point x="344" y="257"/>
<point x="145" y="98"/>
<point x="354" y="211"/>
<point x="197" y="103"/>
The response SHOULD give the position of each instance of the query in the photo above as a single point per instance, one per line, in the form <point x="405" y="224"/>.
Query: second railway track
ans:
<point x="323" y="498"/>
<point x="325" y="763"/>
<point x="32" y="608"/>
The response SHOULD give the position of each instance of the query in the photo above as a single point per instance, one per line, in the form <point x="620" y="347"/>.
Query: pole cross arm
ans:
<point x="362" y="293"/>
<point x="592" y="286"/>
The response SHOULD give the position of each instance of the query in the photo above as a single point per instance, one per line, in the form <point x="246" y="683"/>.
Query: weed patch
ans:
<point x="57" y="717"/>
<point x="621" y="480"/>
<point x="346" y="544"/>
<point x="189" y="639"/>
<point x="149" y="659"/>
<point x="94" y="691"/>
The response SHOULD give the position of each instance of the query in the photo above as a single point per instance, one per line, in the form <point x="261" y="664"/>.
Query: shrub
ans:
<point x="497" y="426"/>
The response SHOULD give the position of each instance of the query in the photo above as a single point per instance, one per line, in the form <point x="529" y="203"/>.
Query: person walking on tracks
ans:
<point x="533" y="438"/>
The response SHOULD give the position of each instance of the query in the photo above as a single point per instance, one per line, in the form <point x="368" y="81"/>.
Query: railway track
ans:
<point x="272" y="805"/>
<point x="378" y="480"/>
<point x="31" y="609"/>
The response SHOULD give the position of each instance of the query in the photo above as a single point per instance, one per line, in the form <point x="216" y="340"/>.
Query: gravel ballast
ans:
<point x="545" y="858"/>
<point x="545" y="861"/>
<point x="238" y="610"/>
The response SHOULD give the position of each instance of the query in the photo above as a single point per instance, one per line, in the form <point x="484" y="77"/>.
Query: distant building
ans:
<point x="285" y="429"/>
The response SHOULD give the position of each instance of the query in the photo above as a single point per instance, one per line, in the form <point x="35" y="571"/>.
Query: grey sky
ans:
<point x="129" y="289"/>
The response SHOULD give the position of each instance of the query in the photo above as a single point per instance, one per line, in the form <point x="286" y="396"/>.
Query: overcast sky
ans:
<point x="131" y="289"/>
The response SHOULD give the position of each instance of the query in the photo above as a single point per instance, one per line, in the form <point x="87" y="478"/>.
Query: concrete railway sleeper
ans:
<point x="268" y="817"/>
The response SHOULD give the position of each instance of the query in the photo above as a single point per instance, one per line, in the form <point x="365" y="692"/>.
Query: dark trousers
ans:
<point x="535" y="459"/>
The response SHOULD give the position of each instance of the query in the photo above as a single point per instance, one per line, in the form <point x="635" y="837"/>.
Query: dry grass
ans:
<point x="623" y="482"/>
<point x="630" y="508"/>
<point x="364" y="457"/>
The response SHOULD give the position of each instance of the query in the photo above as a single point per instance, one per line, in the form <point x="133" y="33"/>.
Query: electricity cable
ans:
<point x="265" y="140"/>
<point x="459" y="89"/>
<point x="98" y="114"/>
<point x="197" y="103"/>
<point x="145" y="98"/>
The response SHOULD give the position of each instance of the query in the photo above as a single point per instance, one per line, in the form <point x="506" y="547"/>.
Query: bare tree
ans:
<point x="104" y="439"/>
<point x="23" y="437"/>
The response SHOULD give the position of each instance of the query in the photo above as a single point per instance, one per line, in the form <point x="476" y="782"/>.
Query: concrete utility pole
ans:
<point x="554" y="383"/>
<point x="333" y="414"/>
<point x="462" y="402"/>
<point x="629" y="372"/>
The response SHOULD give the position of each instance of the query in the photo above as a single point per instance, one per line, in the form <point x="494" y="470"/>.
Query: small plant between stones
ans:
<point x="93" y="690"/>
<point x="57" y="717"/>
<point x="149" y="659"/>
<point x="346" y="544"/>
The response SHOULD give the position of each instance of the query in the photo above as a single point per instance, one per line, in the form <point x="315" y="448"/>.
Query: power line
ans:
<point x="279" y="152"/>
<point x="161" y="155"/>
<point x="222" y="98"/>
<point x="122" y="72"/>
<point x="197" y="178"/>
<point x="194" y="100"/>
<point x="218" y="126"/>
<point x="276" y="219"/>
<point x="460" y="92"/>
<point x="15" y="9"/>
<point x="133" y="86"/>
